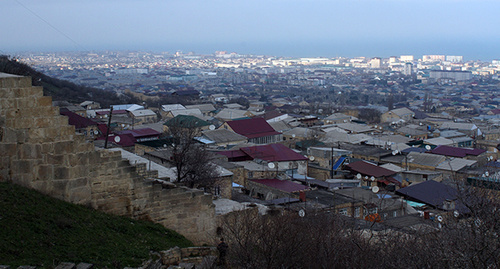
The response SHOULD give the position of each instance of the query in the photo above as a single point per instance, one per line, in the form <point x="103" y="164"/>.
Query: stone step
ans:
<point x="15" y="82"/>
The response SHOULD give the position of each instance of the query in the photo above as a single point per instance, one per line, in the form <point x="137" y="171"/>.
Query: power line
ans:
<point x="52" y="26"/>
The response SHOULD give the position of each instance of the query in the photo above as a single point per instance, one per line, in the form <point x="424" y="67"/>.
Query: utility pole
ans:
<point x="109" y="126"/>
<point x="331" y="172"/>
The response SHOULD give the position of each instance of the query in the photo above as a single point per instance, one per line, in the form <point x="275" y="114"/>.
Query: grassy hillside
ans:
<point x="39" y="230"/>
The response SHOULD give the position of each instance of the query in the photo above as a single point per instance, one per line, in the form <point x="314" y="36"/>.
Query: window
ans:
<point x="395" y="213"/>
<point x="250" y="174"/>
<point x="357" y="212"/>
<point x="343" y="211"/>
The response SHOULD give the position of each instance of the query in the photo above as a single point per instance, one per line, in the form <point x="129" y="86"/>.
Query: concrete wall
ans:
<point x="41" y="151"/>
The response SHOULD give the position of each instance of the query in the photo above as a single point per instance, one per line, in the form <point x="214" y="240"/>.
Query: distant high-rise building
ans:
<point x="408" y="69"/>
<point x="433" y="58"/>
<point x="406" y="58"/>
<point x="393" y="59"/>
<point x="450" y="75"/>
<point x="454" y="59"/>
<point x="375" y="62"/>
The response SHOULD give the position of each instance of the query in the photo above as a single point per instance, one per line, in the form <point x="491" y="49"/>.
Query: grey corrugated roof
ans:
<point x="425" y="159"/>
<point x="223" y="136"/>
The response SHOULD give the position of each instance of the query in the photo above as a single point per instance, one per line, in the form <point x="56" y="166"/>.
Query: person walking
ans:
<point x="222" y="248"/>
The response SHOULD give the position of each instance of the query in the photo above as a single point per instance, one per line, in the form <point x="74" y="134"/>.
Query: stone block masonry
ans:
<point x="41" y="151"/>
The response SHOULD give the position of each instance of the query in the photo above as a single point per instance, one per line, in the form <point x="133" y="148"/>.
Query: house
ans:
<point x="365" y="152"/>
<point x="423" y="161"/>
<point x="138" y="135"/>
<point x="171" y="107"/>
<point x="224" y="138"/>
<point x="434" y="194"/>
<point x="205" y="109"/>
<point x="413" y="131"/>
<point x="89" y="105"/>
<point x="397" y="115"/>
<point x="143" y="116"/>
<point x="270" y="189"/>
<point x="165" y="109"/>
<point x="219" y="98"/>
<point x="281" y="157"/>
<point x="385" y="205"/>
<point x="127" y="107"/>
<point x="234" y="106"/>
<point x="77" y="109"/>
<point x="469" y="129"/>
<point x="274" y="116"/>
<point x="470" y="154"/>
<point x="338" y="203"/>
<point x="87" y="127"/>
<point x="355" y="128"/>
<point x="337" y="118"/>
<point x="228" y="114"/>
<point x="297" y="134"/>
<point x="257" y="130"/>
<point x="193" y="112"/>
<point x="186" y="122"/>
<point x="372" y="175"/>
<point x="256" y="106"/>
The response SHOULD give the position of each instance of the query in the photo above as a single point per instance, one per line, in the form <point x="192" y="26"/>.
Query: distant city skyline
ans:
<point x="293" y="28"/>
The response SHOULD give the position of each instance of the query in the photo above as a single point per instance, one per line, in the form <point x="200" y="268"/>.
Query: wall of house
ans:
<point x="41" y="151"/>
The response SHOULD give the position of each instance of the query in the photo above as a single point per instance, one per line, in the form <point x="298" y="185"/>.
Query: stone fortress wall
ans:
<point x="40" y="150"/>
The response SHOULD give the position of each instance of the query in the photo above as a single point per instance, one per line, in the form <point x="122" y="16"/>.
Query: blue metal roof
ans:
<point x="339" y="162"/>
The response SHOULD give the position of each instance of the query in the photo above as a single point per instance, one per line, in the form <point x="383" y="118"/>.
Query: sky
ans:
<point x="289" y="28"/>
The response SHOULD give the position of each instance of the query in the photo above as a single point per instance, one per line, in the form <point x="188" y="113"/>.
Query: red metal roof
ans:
<point x="273" y="153"/>
<point x="76" y="120"/>
<point x="233" y="153"/>
<point x="283" y="185"/>
<point x="368" y="169"/>
<point x="252" y="128"/>
<point x="456" y="152"/>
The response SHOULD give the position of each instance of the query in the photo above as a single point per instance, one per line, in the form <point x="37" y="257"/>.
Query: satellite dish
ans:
<point x="164" y="145"/>
<point x="428" y="147"/>
<point x="96" y="132"/>
<point x="375" y="189"/>
<point x="358" y="176"/>
<point x="311" y="158"/>
<point x="440" y="218"/>
<point x="486" y="173"/>
<point x="271" y="165"/>
<point x="123" y="125"/>
<point x="117" y="139"/>
<point x="293" y="135"/>
<point x="372" y="178"/>
<point x="456" y="214"/>
<point x="302" y="213"/>
<point x="366" y="177"/>
<point x="211" y="127"/>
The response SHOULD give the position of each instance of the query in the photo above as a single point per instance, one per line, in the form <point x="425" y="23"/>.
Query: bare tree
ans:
<point x="326" y="240"/>
<point x="191" y="159"/>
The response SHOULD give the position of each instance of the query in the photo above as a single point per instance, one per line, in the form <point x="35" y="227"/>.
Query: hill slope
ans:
<point x="39" y="230"/>
<point x="62" y="90"/>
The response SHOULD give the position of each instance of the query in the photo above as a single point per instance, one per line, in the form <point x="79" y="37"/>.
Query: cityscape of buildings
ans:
<point x="378" y="140"/>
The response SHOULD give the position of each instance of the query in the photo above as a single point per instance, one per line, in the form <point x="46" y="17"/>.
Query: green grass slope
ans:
<point x="39" y="230"/>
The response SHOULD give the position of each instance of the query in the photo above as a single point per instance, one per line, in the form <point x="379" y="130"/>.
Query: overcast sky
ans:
<point x="273" y="27"/>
